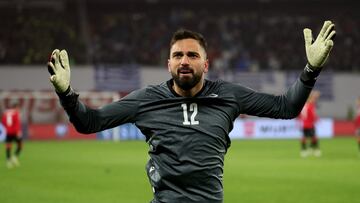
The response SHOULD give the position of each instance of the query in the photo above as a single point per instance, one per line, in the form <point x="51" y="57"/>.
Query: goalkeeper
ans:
<point x="187" y="119"/>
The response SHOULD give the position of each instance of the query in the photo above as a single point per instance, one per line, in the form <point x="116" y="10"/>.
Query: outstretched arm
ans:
<point x="289" y="105"/>
<point x="84" y="118"/>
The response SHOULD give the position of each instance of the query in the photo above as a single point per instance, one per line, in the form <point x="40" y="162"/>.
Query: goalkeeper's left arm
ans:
<point x="317" y="51"/>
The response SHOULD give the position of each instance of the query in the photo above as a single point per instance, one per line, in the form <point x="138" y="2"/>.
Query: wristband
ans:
<point x="68" y="99"/>
<point x="309" y="75"/>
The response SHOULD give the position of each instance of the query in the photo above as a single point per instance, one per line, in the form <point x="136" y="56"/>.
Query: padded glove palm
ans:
<point x="318" y="51"/>
<point x="59" y="69"/>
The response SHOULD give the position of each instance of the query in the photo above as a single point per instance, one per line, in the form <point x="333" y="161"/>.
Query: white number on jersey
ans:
<point x="192" y="108"/>
<point x="9" y="119"/>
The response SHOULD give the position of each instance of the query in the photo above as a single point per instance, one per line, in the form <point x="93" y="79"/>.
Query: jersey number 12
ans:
<point x="192" y="108"/>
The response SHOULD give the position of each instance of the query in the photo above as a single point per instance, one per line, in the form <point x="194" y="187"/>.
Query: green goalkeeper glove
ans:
<point x="318" y="51"/>
<point x="59" y="68"/>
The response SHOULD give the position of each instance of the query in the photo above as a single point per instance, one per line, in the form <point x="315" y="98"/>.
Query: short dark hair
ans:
<point x="188" y="34"/>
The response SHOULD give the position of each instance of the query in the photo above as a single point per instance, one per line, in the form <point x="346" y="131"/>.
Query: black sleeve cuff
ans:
<point x="68" y="99"/>
<point x="63" y="94"/>
<point x="309" y="75"/>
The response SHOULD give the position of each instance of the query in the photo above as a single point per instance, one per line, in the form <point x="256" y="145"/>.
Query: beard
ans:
<point x="186" y="83"/>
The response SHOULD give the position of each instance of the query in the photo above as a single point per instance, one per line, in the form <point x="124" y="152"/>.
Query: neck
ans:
<point x="188" y="93"/>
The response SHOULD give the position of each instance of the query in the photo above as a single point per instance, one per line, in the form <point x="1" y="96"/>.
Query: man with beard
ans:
<point x="187" y="119"/>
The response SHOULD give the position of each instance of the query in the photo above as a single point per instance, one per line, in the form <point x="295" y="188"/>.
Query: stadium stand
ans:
<point x="243" y="35"/>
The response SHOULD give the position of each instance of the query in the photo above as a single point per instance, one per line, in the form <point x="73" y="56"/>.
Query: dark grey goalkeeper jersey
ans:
<point x="188" y="137"/>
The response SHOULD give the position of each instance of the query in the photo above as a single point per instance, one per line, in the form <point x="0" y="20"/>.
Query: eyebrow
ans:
<point x="187" y="53"/>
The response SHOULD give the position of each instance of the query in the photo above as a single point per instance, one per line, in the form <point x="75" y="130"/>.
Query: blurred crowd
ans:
<point x="240" y="38"/>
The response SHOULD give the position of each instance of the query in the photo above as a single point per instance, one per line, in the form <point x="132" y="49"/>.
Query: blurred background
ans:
<point x="118" y="46"/>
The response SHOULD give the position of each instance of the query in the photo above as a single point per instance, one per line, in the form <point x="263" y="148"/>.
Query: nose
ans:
<point x="184" y="61"/>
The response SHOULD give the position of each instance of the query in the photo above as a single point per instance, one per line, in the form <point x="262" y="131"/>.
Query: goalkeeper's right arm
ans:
<point x="59" y="69"/>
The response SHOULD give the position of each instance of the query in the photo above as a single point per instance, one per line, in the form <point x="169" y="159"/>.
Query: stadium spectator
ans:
<point x="11" y="120"/>
<point x="186" y="120"/>
<point x="308" y="117"/>
<point x="357" y="121"/>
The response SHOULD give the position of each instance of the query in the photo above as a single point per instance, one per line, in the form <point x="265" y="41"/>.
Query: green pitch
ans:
<point x="263" y="171"/>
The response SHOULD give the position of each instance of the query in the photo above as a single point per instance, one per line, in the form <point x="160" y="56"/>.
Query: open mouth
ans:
<point x="185" y="71"/>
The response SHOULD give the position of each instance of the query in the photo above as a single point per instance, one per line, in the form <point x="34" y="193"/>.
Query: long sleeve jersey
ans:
<point x="187" y="136"/>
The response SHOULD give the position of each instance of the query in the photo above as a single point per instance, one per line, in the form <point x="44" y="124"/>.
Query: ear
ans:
<point x="169" y="67"/>
<point x="206" y="66"/>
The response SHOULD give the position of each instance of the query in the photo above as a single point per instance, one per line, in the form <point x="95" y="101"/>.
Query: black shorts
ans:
<point x="309" y="132"/>
<point x="12" y="138"/>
